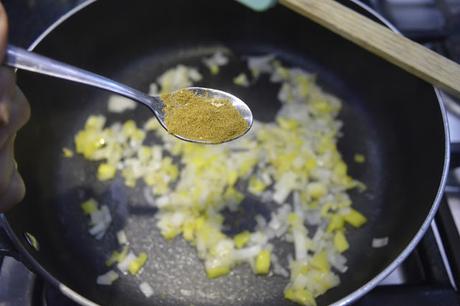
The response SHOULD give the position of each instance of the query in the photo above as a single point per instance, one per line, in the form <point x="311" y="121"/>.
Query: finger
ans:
<point x="14" y="194"/>
<point x="7" y="95"/>
<point x="8" y="83"/>
<point x="3" y="32"/>
<point x="17" y="112"/>
<point x="20" y="110"/>
<point x="7" y="165"/>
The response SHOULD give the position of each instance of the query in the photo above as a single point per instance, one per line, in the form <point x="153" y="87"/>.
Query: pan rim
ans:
<point x="371" y="284"/>
<point x="350" y="298"/>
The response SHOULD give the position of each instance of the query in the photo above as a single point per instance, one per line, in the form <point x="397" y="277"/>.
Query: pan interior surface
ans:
<point x="389" y="116"/>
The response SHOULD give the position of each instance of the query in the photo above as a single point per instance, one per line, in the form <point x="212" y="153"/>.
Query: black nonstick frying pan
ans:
<point x="391" y="117"/>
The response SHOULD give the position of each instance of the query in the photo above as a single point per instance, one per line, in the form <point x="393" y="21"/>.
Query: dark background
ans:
<point x="29" y="18"/>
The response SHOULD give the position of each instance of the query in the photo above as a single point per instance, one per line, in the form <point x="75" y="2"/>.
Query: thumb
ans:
<point x="3" y="31"/>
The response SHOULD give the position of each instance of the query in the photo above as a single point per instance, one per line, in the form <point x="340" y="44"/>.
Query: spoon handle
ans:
<point x="381" y="41"/>
<point x="25" y="60"/>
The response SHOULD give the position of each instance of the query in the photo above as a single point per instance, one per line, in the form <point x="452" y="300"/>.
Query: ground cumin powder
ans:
<point x="204" y="118"/>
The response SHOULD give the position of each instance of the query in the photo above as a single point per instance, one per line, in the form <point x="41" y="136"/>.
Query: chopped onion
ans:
<point x="121" y="237"/>
<point x="108" y="278"/>
<point x="148" y="196"/>
<point x="278" y="268"/>
<point x="146" y="289"/>
<point x="260" y="64"/>
<point x="292" y="161"/>
<point x="246" y="253"/>
<point x="380" y="242"/>
<point x="179" y="77"/>
<point x="100" y="220"/>
<point x="215" y="61"/>
<point x="119" y="104"/>
<point x="124" y="264"/>
<point x="300" y="244"/>
<point x="313" y="217"/>
<point x="261" y="222"/>
<point x="298" y="205"/>
<point x="241" y="80"/>
<point x="337" y="260"/>
<point x="153" y="90"/>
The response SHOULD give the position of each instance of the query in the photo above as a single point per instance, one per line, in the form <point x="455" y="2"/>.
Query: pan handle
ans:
<point x="6" y="246"/>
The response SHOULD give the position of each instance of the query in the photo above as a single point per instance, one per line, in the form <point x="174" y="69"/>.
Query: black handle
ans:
<point x="6" y="246"/>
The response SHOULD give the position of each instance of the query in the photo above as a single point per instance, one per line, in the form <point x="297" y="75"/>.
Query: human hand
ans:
<point x="14" y="113"/>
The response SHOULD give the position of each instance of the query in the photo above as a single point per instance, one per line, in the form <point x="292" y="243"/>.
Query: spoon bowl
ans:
<point x="25" y="60"/>
<point x="240" y="106"/>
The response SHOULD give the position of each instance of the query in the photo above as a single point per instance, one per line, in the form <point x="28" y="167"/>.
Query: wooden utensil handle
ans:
<point x="381" y="41"/>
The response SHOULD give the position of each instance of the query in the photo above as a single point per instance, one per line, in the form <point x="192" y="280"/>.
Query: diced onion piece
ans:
<point x="108" y="278"/>
<point x="215" y="269"/>
<point x="241" y="80"/>
<point x="121" y="237"/>
<point x="106" y="172"/>
<point x="153" y="91"/>
<point x="176" y="78"/>
<point x="280" y="73"/>
<point x="263" y="262"/>
<point x="100" y="220"/>
<point x="136" y="265"/>
<point x="89" y="206"/>
<point x="189" y="230"/>
<point x="320" y="261"/>
<point x="67" y="152"/>
<point x="316" y="190"/>
<point x="241" y="239"/>
<point x="256" y="186"/>
<point x="146" y="289"/>
<point x="380" y="242"/>
<point x="247" y="253"/>
<point x="359" y="158"/>
<point x="260" y="64"/>
<point x="337" y="260"/>
<point x="117" y="256"/>
<point x="119" y="104"/>
<point x="300" y="243"/>
<point x="355" y="218"/>
<point x="95" y="122"/>
<point x="340" y="242"/>
<point x="284" y="186"/>
<point x="124" y="264"/>
<point x="148" y="196"/>
<point x="300" y="296"/>
<point x="278" y="269"/>
<point x="336" y="222"/>
<point x="215" y="61"/>
<point x="214" y="69"/>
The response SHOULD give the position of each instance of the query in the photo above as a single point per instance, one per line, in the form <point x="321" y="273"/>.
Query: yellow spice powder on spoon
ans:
<point x="203" y="118"/>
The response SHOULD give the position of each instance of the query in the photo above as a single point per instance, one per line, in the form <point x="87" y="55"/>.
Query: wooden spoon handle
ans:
<point x="381" y="41"/>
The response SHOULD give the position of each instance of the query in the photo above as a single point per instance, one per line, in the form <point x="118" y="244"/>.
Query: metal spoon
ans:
<point x="25" y="60"/>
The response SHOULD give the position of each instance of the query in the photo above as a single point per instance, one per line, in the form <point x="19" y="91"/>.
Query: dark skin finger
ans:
<point x="14" y="113"/>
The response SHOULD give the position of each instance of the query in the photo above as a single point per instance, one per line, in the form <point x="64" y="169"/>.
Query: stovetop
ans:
<point x="431" y="273"/>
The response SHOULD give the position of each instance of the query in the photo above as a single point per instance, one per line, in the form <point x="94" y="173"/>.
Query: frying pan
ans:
<point x="391" y="117"/>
